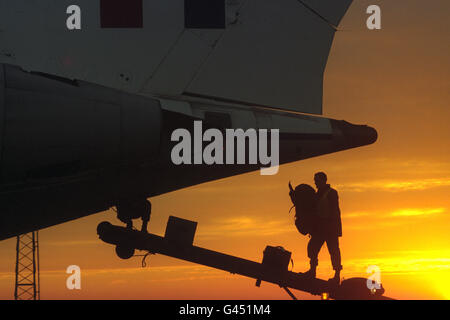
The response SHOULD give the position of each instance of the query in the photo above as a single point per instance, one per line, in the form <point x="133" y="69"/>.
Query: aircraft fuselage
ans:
<point x="70" y="149"/>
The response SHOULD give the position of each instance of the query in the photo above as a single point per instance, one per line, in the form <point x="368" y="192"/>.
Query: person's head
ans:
<point x="320" y="179"/>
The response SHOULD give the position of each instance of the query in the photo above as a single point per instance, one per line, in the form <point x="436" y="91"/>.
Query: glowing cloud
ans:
<point x="395" y="186"/>
<point x="416" y="212"/>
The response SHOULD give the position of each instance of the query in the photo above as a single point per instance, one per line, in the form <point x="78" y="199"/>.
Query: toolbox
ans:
<point x="180" y="231"/>
<point x="276" y="258"/>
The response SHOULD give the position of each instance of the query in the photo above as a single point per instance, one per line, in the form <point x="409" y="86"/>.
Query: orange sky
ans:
<point x="393" y="194"/>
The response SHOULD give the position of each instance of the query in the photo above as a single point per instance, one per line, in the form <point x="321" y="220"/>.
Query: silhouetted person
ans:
<point x="134" y="209"/>
<point x="327" y="227"/>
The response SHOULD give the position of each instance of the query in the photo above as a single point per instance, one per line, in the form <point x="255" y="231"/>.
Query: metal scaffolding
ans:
<point x="27" y="267"/>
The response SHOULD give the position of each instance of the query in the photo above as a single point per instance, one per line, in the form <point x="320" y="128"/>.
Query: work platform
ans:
<point x="178" y="243"/>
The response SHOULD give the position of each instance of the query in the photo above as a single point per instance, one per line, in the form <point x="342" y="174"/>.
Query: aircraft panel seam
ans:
<point x="318" y="14"/>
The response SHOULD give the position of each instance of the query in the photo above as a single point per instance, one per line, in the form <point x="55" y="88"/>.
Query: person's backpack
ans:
<point x="305" y="201"/>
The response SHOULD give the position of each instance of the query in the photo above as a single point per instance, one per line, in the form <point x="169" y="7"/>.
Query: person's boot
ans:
<point x="337" y="277"/>
<point x="311" y="273"/>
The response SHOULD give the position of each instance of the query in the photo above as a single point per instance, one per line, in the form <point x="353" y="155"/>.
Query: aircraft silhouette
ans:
<point x="87" y="115"/>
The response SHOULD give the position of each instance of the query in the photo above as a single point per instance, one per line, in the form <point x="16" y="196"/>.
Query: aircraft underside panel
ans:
<point x="243" y="56"/>
<point x="117" y="57"/>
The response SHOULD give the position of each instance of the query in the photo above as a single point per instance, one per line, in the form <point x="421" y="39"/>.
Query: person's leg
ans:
<point x="335" y="254"/>
<point x="123" y="214"/>
<point x="314" y="246"/>
<point x="145" y="223"/>
<point x="146" y="215"/>
<point x="126" y="220"/>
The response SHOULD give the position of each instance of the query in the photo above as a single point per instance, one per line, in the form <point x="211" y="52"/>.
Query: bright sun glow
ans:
<point x="440" y="281"/>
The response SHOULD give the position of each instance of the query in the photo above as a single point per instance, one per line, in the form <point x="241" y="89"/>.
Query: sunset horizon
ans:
<point x="393" y="194"/>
